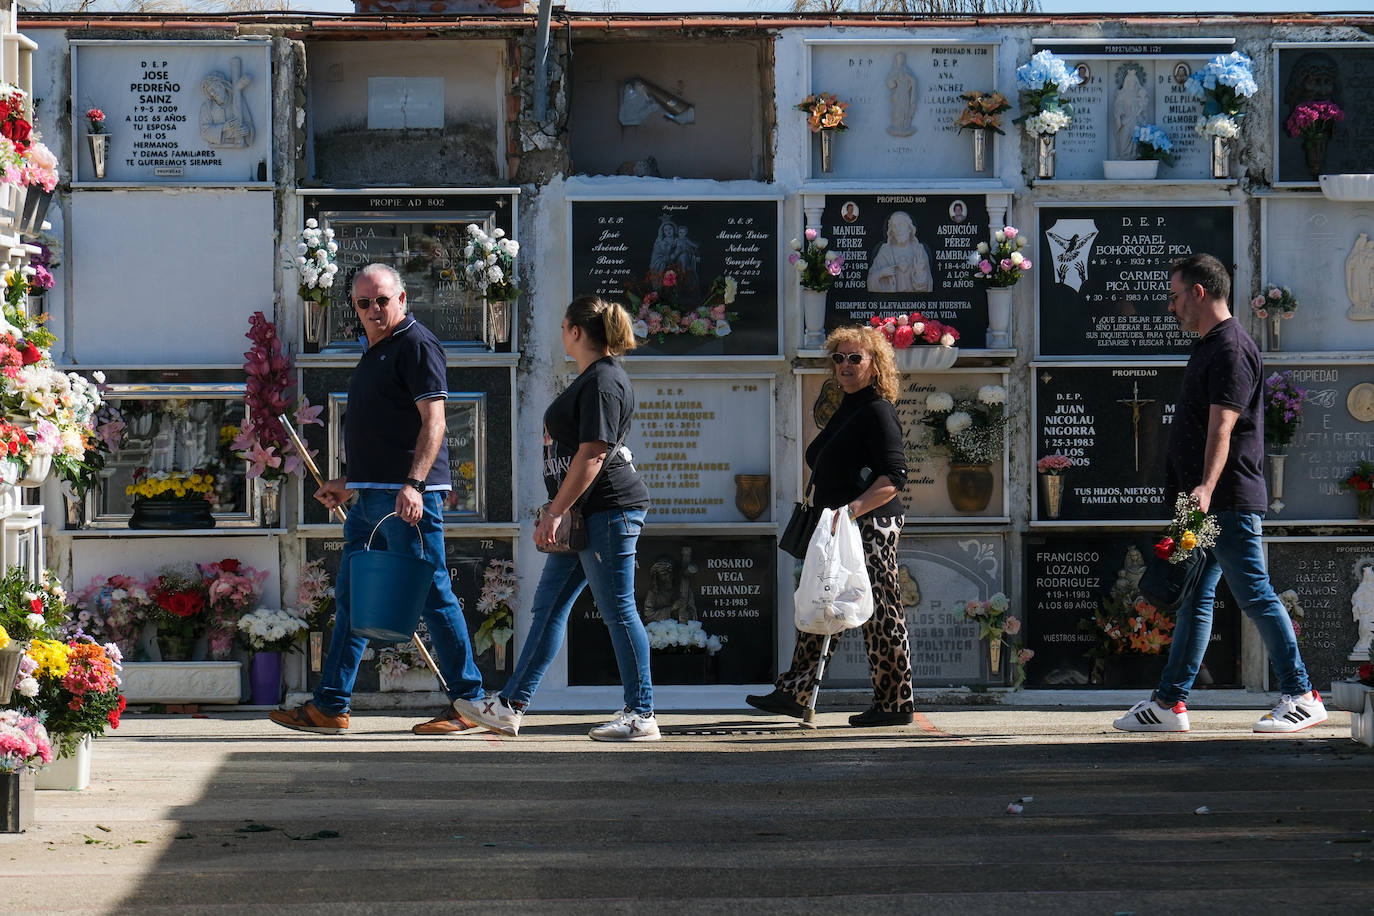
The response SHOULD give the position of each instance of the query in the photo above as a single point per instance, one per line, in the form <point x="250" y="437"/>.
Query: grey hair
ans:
<point x="377" y="267"/>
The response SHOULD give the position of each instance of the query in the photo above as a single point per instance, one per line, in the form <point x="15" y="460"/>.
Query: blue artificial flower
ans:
<point x="1043" y="70"/>
<point x="1150" y="135"/>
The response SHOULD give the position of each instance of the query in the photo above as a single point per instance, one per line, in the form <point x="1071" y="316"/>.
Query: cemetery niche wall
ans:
<point x="726" y="585"/>
<point x="1335" y="72"/>
<point x="421" y="235"/>
<point x="904" y="253"/>
<point x="1103" y="284"/>
<point x="175" y="111"/>
<point x="1127" y="83"/>
<point x="667" y="262"/>
<point x="904" y="98"/>
<point x="1081" y="585"/>
<point x="1317" y="578"/>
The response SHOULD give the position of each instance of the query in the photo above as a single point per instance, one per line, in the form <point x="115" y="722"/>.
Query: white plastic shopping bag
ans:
<point x="834" y="594"/>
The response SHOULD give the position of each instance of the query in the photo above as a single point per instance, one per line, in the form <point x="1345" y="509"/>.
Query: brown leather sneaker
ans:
<point x="448" y="722"/>
<point x="309" y="719"/>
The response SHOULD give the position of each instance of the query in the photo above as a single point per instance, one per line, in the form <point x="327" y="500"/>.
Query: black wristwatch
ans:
<point x="419" y="485"/>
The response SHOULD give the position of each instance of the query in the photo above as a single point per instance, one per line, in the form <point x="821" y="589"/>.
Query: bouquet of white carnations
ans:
<point x="269" y="630"/>
<point x="491" y="263"/>
<point x="315" y="259"/>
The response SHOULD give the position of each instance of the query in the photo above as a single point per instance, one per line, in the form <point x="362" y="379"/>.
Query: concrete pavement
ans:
<point x="730" y="813"/>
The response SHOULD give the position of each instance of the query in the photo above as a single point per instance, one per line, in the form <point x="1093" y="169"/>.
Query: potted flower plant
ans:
<point x="920" y="343"/>
<point x="825" y="115"/>
<point x="490" y="269"/>
<point x="681" y="652"/>
<point x="97" y="141"/>
<point x="27" y="611"/>
<point x="1152" y="146"/>
<point x="993" y="621"/>
<point x="24" y="748"/>
<point x="981" y="115"/>
<point x="1223" y="87"/>
<point x="268" y="633"/>
<point x="172" y="499"/>
<point x="315" y="604"/>
<point x="316" y="259"/>
<point x="1361" y="481"/>
<point x="231" y="588"/>
<point x="115" y="609"/>
<point x="1282" y="414"/>
<point x="1000" y="266"/>
<point x="1051" y="469"/>
<point x="817" y="269"/>
<point x="1315" y="122"/>
<point x="77" y="697"/>
<point x="969" y="429"/>
<point x="496" y="604"/>
<point x="1274" y="303"/>
<point x="1040" y="81"/>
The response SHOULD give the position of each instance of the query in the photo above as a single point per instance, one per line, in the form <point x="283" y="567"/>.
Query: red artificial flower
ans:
<point x="30" y="354"/>
<point x="903" y="337"/>
<point x="1165" y="548"/>
<point x="114" y="714"/>
<point x="183" y="603"/>
<point x="229" y="565"/>
<point x="1366" y="674"/>
<point x="1362" y="485"/>
<point x="36" y="605"/>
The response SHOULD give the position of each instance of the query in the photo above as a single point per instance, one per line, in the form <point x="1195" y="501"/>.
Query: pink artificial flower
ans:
<point x="1011" y="232"/>
<point x="669" y="278"/>
<point x="1025" y="264"/>
<point x="985" y="266"/>
<point x="308" y="414"/>
<point x="260" y="459"/>
<point x="1006" y="264"/>
<point x="835" y="266"/>
<point x="811" y="235"/>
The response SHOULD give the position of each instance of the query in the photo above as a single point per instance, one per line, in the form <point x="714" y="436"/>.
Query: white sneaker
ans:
<point x="1149" y="716"/>
<point x="1293" y="714"/>
<point x="627" y="726"/>
<point x="492" y="713"/>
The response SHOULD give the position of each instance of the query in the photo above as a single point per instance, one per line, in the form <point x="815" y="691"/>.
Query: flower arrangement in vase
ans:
<point x="673" y="637"/>
<point x="95" y="121"/>
<point x="179" y="601"/>
<point x="660" y="312"/>
<point x="817" y="266"/>
<point x="1360" y="480"/>
<point x="15" y="123"/>
<point x="995" y="623"/>
<point x="316" y="257"/>
<point x="77" y="690"/>
<point x="825" y="115"/>
<point x="1315" y="122"/>
<point x="315" y="595"/>
<point x="1283" y="402"/>
<point x="490" y="263"/>
<point x="97" y="141"/>
<point x="24" y="742"/>
<point x="1223" y="86"/>
<point x="981" y="115"/>
<point x="1152" y="144"/>
<point x="968" y="427"/>
<point x="269" y="630"/>
<point x="1001" y="264"/>
<point x="1040" y="82"/>
<point x="496" y="603"/>
<point x="231" y="588"/>
<point x="1274" y="303"/>
<point x="262" y="441"/>
<point x="1126" y="624"/>
<point x="393" y="661"/>
<point x="114" y="609"/>
<point x="1051" y="469"/>
<point x="919" y="342"/>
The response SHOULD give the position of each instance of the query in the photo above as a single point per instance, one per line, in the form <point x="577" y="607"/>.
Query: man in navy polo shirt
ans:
<point x="1216" y="450"/>
<point x="397" y="462"/>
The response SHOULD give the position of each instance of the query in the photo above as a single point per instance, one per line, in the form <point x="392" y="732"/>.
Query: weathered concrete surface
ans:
<point x="730" y="813"/>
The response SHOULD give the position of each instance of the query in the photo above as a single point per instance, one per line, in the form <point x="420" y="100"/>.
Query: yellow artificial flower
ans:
<point x="1188" y="541"/>
<point x="4" y="638"/>
<point x="51" y="656"/>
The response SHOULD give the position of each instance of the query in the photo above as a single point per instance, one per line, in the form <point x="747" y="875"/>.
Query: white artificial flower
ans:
<point x="641" y="329"/>
<point x="946" y="340"/>
<point x="311" y="223"/>
<point x="822" y="243"/>
<point x="957" y="422"/>
<point x="939" y="402"/>
<point x="992" y="394"/>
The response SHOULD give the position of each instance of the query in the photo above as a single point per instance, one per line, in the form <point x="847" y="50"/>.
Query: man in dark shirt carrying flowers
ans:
<point x="1215" y="455"/>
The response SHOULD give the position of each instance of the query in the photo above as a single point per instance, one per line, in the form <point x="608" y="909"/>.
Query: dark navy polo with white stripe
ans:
<point x="383" y="421"/>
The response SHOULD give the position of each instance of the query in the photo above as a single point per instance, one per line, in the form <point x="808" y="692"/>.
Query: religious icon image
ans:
<point x="901" y="84"/>
<point x="958" y="212"/>
<point x="1359" y="279"/>
<point x="849" y="212"/>
<point x="1362" y="610"/>
<point x="225" y="121"/>
<point x="1181" y="73"/>
<point x="902" y="263"/>
<point x="670" y="595"/>
<point x="1135" y="402"/>
<point x="1314" y="78"/>
<point x="675" y="252"/>
<point x="1071" y="244"/>
<point x="1130" y="108"/>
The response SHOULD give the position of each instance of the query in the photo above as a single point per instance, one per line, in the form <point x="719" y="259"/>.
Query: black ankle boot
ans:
<point x="873" y="716"/>
<point x="777" y="702"/>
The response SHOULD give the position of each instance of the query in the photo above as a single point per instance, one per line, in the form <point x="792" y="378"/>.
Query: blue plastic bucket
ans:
<point x="387" y="591"/>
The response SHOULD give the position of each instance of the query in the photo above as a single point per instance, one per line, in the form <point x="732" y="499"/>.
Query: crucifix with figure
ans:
<point x="1135" y="402"/>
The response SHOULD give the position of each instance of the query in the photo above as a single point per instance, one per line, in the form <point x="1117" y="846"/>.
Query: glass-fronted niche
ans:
<point x="422" y="235"/>
<point x="175" y="421"/>
<point x="478" y="417"/>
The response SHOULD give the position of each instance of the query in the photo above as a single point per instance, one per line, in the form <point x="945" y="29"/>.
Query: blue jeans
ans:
<point x="1238" y="555"/>
<point x="443" y="614"/>
<point x="608" y="566"/>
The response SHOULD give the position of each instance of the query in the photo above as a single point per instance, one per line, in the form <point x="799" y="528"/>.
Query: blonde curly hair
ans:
<point x="885" y="375"/>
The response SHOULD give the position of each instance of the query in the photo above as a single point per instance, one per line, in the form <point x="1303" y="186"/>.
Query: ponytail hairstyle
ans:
<point x="606" y="324"/>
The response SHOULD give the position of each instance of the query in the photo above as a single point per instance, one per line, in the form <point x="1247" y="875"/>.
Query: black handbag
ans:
<point x="796" y="537"/>
<point x="571" y="536"/>
<point x="1168" y="585"/>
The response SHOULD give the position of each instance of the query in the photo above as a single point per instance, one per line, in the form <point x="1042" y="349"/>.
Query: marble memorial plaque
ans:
<point x="1325" y="574"/>
<point x="936" y="575"/>
<point x="1103" y="275"/>
<point x="661" y="259"/>
<point x="1322" y="251"/>
<point x="727" y="584"/>
<point x="687" y="449"/>
<point x="925" y="495"/>
<point x="1070" y="579"/>
<point x="175" y="111"/>
<point x="905" y="253"/>
<point x="903" y="100"/>
<point x="1113" y="421"/>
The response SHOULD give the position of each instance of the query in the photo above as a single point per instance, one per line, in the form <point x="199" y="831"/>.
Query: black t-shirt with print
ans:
<point x="861" y="442"/>
<point x="597" y="407"/>
<point x="1224" y="369"/>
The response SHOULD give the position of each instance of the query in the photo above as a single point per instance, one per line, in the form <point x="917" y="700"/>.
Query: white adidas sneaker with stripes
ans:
<point x="1149" y="716"/>
<point x="1293" y="714"/>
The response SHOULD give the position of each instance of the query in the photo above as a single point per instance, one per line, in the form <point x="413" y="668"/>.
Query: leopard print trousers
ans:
<point x="885" y="639"/>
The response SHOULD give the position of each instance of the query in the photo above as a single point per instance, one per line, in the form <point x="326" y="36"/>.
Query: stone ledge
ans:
<point x="181" y="682"/>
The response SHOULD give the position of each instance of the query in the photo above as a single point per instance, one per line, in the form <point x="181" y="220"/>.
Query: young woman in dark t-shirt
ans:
<point x="584" y="459"/>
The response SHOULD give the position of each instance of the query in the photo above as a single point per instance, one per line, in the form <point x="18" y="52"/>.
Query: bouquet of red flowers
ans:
<point x="232" y="590"/>
<point x="180" y="596"/>
<point x="904" y="331"/>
